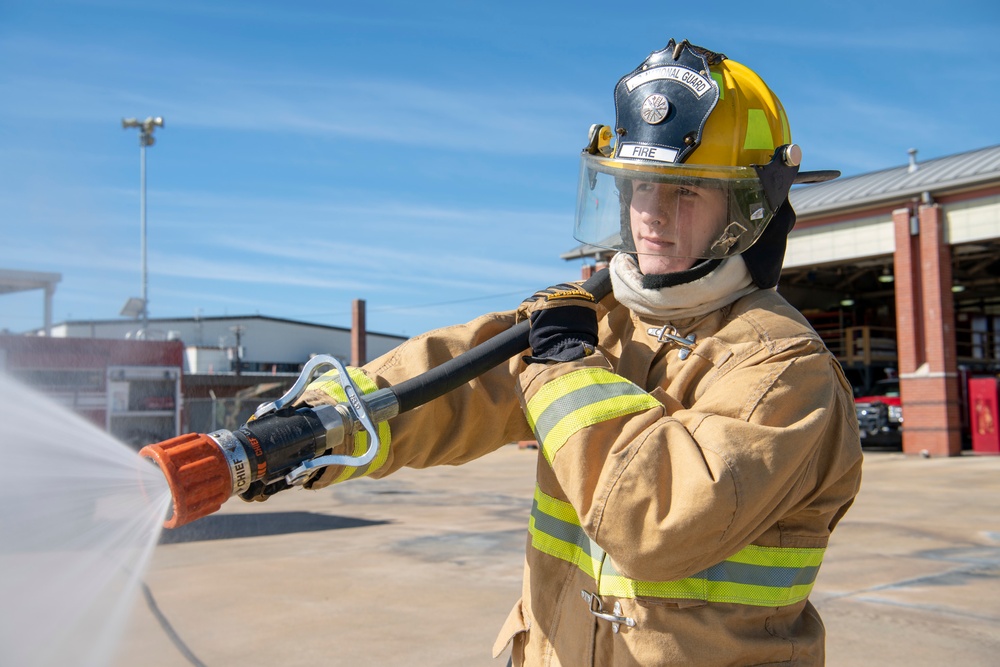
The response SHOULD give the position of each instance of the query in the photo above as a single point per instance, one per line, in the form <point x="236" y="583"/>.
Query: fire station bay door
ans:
<point x="144" y="403"/>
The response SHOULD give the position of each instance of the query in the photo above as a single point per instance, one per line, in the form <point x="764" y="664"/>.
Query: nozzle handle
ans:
<point x="313" y="369"/>
<point x="359" y="412"/>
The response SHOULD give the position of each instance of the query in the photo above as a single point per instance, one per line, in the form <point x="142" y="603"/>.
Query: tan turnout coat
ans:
<point x="751" y="444"/>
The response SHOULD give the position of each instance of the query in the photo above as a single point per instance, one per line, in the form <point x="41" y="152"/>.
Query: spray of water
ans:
<point x="80" y="514"/>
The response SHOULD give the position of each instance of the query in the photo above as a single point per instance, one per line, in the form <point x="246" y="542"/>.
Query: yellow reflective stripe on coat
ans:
<point x="556" y="530"/>
<point x="757" y="576"/>
<point x="580" y="399"/>
<point x="329" y="382"/>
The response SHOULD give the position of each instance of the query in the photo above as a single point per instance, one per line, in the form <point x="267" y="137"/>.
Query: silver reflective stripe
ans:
<point x="580" y="398"/>
<point x="584" y="397"/>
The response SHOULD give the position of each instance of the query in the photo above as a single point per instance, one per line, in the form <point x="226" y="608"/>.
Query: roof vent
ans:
<point x="913" y="161"/>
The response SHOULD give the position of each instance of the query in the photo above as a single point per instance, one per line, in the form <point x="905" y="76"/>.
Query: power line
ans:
<point x="387" y="309"/>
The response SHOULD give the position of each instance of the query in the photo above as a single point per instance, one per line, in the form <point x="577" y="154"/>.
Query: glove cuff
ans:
<point x="566" y="333"/>
<point x="570" y="349"/>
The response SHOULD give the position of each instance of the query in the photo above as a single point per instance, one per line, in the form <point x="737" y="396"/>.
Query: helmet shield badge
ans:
<point x="641" y="197"/>
<point x="661" y="107"/>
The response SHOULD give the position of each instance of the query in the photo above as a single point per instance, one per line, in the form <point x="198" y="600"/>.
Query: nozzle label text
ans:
<point x="261" y="461"/>
<point x="240" y="475"/>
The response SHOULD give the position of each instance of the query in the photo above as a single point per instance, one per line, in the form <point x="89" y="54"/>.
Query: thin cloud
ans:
<point x="210" y="95"/>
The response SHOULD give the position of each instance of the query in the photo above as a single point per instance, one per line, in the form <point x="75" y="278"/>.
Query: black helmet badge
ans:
<point x="661" y="107"/>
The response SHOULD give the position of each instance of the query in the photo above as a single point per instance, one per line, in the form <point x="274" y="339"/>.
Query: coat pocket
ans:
<point x="514" y="631"/>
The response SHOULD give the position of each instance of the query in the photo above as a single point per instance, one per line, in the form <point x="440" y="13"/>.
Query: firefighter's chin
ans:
<point x="653" y="264"/>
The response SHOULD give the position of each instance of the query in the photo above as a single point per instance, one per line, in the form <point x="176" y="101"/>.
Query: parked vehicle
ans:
<point x="880" y="414"/>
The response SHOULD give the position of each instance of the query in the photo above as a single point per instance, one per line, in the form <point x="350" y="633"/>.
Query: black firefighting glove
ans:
<point x="563" y="325"/>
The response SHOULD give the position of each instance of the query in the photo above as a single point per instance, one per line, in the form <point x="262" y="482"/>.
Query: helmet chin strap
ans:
<point x="661" y="280"/>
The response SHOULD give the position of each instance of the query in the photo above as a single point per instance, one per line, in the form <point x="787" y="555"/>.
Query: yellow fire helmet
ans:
<point x="702" y="146"/>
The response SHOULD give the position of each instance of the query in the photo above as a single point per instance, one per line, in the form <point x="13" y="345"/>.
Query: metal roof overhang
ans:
<point x="848" y="204"/>
<point x="12" y="281"/>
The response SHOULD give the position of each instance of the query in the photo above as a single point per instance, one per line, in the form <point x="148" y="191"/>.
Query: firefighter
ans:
<point x="697" y="441"/>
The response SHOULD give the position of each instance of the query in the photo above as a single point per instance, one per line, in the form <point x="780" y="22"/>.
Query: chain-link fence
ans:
<point x="205" y="415"/>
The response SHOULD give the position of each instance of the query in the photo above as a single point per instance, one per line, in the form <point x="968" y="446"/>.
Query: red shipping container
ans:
<point x="983" y="419"/>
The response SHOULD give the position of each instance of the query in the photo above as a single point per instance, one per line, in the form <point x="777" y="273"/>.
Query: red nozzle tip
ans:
<point x="197" y="472"/>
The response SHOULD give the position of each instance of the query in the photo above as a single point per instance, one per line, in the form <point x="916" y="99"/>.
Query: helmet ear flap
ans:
<point x="764" y="258"/>
<point x="778" y="175"/>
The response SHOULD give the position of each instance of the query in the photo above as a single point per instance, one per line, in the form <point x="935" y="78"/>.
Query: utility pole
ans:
<point x="238" y="331"/>
<point x="146" y="128"/>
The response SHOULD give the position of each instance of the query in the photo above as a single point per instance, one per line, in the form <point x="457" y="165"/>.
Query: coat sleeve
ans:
<point x="471" y="421"/>
<point x="668" y="490"/>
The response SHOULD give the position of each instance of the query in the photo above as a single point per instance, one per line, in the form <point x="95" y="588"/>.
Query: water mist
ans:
<point x="80" y="514"/>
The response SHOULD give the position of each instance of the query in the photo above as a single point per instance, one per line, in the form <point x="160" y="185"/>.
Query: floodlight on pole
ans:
<point x="146" y="128"/>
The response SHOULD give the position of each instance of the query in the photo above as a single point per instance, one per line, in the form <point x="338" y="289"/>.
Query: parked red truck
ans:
<point x="880" y="414"/>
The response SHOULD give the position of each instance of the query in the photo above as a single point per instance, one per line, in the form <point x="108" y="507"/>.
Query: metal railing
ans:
<point x="867" y="345"/>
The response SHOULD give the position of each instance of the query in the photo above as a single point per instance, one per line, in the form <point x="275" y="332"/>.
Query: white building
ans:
<point x="214" y="344"/>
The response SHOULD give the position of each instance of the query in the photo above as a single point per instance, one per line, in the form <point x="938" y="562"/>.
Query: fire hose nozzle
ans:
<point x="198" y="473"/>
<point x="280" y="447"/>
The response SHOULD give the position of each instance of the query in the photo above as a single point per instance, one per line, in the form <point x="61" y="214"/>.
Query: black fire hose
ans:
<point x="194" y="451"/>
<point x="284" y="444"/>
<point x="471" y="364"/>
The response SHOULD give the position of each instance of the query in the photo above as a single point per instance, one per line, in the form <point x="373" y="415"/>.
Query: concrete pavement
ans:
<point x="422" y="568"/>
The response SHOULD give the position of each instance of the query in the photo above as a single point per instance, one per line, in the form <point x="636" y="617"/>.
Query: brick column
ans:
<point x="909" y="323"/>
<point x="587" y="270"/>
<point x="925" y="313"/>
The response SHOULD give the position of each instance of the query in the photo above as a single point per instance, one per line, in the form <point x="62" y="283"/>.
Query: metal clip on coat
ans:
<point x="615" y="618"/>
<point x="281" y="446"/>
<point x="669" y="334"/>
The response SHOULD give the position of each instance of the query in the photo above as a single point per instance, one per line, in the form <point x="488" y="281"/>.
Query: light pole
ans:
<point x="146" y="128"/>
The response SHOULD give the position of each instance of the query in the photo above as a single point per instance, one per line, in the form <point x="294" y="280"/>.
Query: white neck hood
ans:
<point x="727" y="283"/>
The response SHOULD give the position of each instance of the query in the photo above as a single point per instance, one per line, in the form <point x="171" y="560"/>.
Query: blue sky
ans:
<point x="421" y="156"/>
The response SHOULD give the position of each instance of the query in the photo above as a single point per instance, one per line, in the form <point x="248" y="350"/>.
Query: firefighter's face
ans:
<point x="673" y="225"/>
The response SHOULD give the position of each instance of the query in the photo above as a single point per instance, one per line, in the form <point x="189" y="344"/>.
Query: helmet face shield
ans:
<point x="678" y="212"/>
